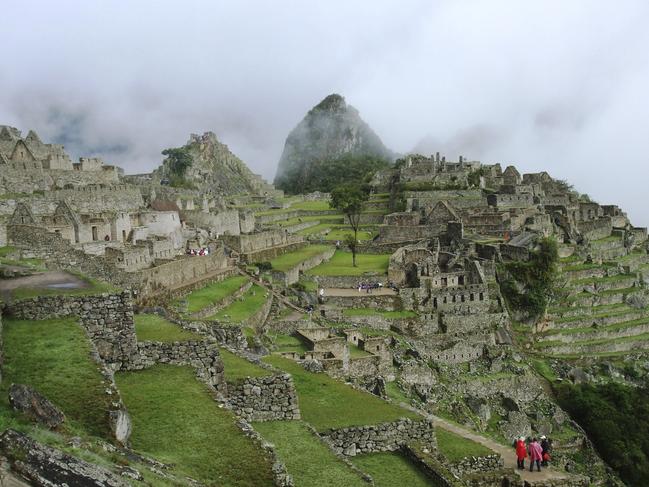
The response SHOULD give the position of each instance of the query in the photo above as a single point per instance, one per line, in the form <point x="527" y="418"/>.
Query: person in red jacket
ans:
<point x="521" y="453"/>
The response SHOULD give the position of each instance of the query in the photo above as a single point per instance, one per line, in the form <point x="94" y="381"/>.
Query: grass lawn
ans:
<point x="327" y="403"/>
<point x="455" y="447"/>
<point x="213" y="293"/>
<point x="307" y="459"/>
<point x="390" y="468"/>
<point x="356" y="352"/>
<point x="395" y="393"/>
<point x="380" y="312"/>
<point x="289" y="343"/>
<point x="289" y="260"/>
<point x="341" y="265"/>
<point x="176" y="420"/>
<point x="155" y="328"/>
<point x="53" y="356"/>
<point x="242" y="309"/>
<point x="342" y="232"/>
<point x="237" y="368"/>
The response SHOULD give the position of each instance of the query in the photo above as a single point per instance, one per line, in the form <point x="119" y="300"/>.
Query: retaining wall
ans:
<point x="264" y="398"/>
<point x="291" y="276"/>
<point x="355" y="440"/>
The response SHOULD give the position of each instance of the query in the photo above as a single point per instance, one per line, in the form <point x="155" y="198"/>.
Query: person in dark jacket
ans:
<point x="545" y="447"/>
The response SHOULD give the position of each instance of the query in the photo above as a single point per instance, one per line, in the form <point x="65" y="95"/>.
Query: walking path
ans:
<point x="507" y="453"/>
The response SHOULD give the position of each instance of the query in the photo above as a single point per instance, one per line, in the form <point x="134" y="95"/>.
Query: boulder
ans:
<point x="35" y="406"/>
<point x="518" y="424"/>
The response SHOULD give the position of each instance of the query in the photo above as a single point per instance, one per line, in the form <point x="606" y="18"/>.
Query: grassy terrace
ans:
<point x="334" y="219"/>
<point x="53" y="356"/>
<point x="308" y="460"/>
<point x="176" y="420"/>
<point x="242" y="309"/>
<point x="599" y="341"/>
<point x="591" y="310"/>
<point x="213" y="293"/>
<point x="291" y="259"/>
<point x="616" y="311"/>
<point x="289" y="343"/>
<point x="311" y="205"/>
<point x="590" y="329"/>
<point x="341" y="265"/>
<point x="389" y="469"/>
<point x="327" y="403"/>
<point x="155" y="328"/>
<point x="455" y="448"/>
<point x="351" y="312"/>
<point x="237" y="368"/>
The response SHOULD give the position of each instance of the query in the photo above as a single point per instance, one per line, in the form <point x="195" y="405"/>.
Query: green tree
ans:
<point x="179" y="160"/>
<point x="350" y="199"/>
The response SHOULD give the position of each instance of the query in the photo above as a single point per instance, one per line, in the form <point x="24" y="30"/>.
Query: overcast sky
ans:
<point x="549" y="85"/>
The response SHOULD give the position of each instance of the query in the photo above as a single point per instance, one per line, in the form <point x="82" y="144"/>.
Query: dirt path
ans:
<point x="353" y="293"/>
<point x="506" y="452"/>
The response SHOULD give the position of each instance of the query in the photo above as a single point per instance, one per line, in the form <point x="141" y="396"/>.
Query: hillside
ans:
<point x="208" y="165"/>
<point x="329" y="131"/>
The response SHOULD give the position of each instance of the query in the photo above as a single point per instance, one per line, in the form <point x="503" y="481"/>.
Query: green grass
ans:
<point x="341" y="265"/>
<point x="237" y="368"/>
<point x="327" y="403"/>
<point x="307" y="459"/>
<point x="341" y="233"/>
<point x="291" y="259"/>
<point x="176" y="420"/>
<point x="289" y="343"/>
<point x="334" y="219"/>
<point x="53" y="356"/>
<point x="378" y="312"/>
<point x="395" y="393"/>
<point x="242" y="309"/>
<point x="356" y="352"/>
<point x="213" y="293"/>
<point x="390" y="469"/>
<point x="455" y="447"/>
<point x="157" y="329"/>
<point x="5" y="251"/>
<point x="542" y="367"/>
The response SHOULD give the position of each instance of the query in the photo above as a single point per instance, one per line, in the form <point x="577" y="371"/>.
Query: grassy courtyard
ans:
<point x="391" y="468"/>
<point x="308" y="460"/>
<point x="341" y="265"/>
<point x="176" y="420"/>
<point x="150" y="327"/>
<point x="455" y="448"/>
<point x="327" y="403"/>
<point x="291" y="259"/>
<point x="53" y="356"/>
<point x="243" y="308"/>
<point x="213" y="293"/>
<point x="237" y="368"/>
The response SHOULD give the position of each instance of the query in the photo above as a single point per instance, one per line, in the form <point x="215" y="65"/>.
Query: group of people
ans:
<point x="202" y="251"/>
<point x="539" y="452"/>
<point x="369" y="286"/>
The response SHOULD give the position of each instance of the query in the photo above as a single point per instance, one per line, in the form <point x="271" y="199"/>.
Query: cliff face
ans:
<point x="210" y="166"/>
<point x="328" y="131"/>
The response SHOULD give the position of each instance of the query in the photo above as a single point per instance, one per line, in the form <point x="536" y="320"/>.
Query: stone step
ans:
<point x="605" y="318"/>
<point x="624" y="329"/>
<point x="616" y="345"/>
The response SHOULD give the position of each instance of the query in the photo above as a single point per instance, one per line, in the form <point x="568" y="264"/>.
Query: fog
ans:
<point x="548" y="85"/>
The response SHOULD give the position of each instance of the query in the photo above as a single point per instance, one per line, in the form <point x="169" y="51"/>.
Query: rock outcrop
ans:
<point x="328" y="131"/>
<point x="211" y="167"/>
<point x="35" y="406"/>
<point x="47" y="467"/>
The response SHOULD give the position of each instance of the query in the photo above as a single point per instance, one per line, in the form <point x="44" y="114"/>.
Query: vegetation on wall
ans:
<point x="528" y="285"/>
<point x="616" y="419"/>
<point x="177" y="162"/>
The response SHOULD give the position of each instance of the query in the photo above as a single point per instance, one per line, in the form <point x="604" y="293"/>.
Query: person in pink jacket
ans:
<point x="536" y="454"/>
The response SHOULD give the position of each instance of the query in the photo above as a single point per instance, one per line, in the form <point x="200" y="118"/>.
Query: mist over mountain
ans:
<point x="330" y="130"/>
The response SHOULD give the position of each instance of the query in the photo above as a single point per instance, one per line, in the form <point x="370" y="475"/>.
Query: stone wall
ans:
<point x="469" y="465"/>
<point x="393" y="233"/>
<point x="201" y="355"/>
<point x="1" y="347"/>
<point x="107" y="319"/>
<point x="355" y="440"/>
<point x="264" y="398"/>
<point x="224" y="222"/>
<point x="595" y="229"/>
<point x="364" y="300"/>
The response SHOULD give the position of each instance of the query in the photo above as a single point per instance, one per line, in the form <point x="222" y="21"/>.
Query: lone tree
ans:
<point x="349" y="199"/>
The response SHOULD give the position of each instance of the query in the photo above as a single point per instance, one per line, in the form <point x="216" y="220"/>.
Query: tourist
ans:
<point x="521" y="453"/>
<point x="536" y="455"/>
<point x="545" y="451"/>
